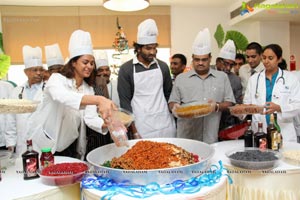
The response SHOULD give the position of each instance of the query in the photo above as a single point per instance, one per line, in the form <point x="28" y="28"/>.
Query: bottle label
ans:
<point x="47" y="163"/>
<point x="262" y="143"/>
<point x="31" y="167"/>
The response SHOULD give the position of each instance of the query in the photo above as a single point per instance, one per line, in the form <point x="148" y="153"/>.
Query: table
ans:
<point x="280" y="183"/>
<point x="13" y="186"/>
<point x="216" y="192"/>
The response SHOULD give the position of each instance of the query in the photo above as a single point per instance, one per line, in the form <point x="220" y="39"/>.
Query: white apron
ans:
<point x="152" y="116"/>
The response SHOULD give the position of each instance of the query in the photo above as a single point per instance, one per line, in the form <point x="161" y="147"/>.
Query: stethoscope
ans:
<point x="257" y="80"/>
<point x="22" y="90"/>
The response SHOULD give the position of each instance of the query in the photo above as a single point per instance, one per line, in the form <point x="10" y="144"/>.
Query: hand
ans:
<point x="11" y="148"/>
<point x="106" y="107"/>
<point x="175" y="106"/>
<point x="271" y="108"/>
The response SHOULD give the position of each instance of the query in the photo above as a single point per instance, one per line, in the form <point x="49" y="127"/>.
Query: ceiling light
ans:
<point x="125" y="5"/>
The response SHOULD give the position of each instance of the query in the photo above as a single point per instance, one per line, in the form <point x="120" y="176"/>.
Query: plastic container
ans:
<point x="63" y="173"/>
<point x="117" y="129"/>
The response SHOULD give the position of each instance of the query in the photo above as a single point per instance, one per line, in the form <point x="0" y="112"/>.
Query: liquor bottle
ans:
<point x="260" y="137"/>
<point x="248" y="135"/>
<point x="279" y="136"/>
<point x="272" y="135"/>
<point x="30" y="162"/>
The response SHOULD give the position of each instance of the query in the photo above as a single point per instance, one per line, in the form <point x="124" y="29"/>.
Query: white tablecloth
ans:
<point x="280" y="183"/>
<point x="13" y="186"/>
<point x="216" y="192"/>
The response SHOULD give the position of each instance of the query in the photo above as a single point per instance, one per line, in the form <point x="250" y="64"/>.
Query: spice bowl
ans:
<point x="63" y="173"/>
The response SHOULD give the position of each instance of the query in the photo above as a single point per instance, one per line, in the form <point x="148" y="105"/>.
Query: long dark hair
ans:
<point x="69" y="72"/>
<point x="275" y="48"/>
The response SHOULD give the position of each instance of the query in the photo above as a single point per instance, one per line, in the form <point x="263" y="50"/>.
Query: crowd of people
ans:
<point x="77" y="98"/>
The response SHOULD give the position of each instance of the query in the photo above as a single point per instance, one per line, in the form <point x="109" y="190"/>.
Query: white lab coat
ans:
<point x="61" y="117"/>
<point x="5" y="139"/>
<point x="297" y="118"/>
<point x="17" y="123"/>
<point x="286" y="93"/>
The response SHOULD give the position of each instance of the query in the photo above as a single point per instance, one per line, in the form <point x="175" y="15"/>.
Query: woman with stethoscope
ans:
<point x="277" y="90"/>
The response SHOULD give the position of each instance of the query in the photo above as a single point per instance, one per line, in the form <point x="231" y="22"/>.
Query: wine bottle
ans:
<point x="30" y="162"/>
<point x="260" y="137"/>
<point x="248" y="135"/>
<point x="279" y="136"/>
<point x="272" y="135"/>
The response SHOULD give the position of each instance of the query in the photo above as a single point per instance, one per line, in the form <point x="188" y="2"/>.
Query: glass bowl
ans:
<point x="63" y="173"/>
<point x="246" y="109"/>
<point x="194" y="110"/>
<point x="125" y="116"/>
<point x="253" y="158"/>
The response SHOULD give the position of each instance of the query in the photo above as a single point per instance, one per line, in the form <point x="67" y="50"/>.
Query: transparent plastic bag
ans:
<point x="118" y="131"/>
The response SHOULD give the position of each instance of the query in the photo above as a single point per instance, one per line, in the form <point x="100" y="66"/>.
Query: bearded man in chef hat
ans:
<point x="54" y="59"/>
<point x="201" y="85"/>
<point x="227" y="55"/>
<point x="32" y="90"/>
<point x="144" y="86"/>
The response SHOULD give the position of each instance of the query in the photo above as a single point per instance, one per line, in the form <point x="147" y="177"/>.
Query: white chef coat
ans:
<point x="286" y="93"/>
<point x="17" y="123"/>
<point x="5" y="139"/>
<point x="61" y="116"/>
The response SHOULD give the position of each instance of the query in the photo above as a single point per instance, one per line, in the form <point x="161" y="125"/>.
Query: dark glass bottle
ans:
<point x="260" y="137"/>
<point x="248" y="135"/>
<point x="46" y="158"/>
<point x="272" y="135"/>
<point x="279" y="136"/>
<point x="30" y="162"/>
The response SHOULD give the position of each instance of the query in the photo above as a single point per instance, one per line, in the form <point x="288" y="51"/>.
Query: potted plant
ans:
<point x="238" y="38"/>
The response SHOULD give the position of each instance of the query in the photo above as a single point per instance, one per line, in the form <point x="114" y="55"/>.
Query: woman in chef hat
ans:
<point x="69" y="103"/>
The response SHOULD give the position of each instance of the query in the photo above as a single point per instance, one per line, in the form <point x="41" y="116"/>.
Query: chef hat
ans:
<point x="53" y="55"/>
<point x="228" y="51"/>
<point x="147" y="32"/>
<point x="32" y="56"/>
<point x="202" y="45"/>
<point x="101" y="59"/>
<point x="80" y="43"/>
